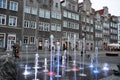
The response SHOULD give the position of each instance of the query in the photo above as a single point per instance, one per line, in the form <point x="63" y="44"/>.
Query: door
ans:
<point x="11" y="40"/>
<point x="2" y="40"/>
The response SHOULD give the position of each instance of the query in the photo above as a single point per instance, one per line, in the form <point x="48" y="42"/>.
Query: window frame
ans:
<point x="13" y="6"/>
<point x="13" y="18"/>
<point x="2" y="16"/>
<point x="3" y="4"/>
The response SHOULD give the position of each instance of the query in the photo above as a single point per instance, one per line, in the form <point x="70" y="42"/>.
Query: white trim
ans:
<point x="13" y="9"/>
<point x="9" y="44"/>
<point x="3" y="15"/>
<point x="4" y="39"/>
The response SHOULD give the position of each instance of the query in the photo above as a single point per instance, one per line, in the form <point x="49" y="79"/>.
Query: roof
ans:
<point x="101" y="12"/>
<point x="80" y="4"/>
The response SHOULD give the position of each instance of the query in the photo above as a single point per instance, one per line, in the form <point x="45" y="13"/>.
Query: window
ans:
<point x="58" y="15"/>
<point x="77" y="35"/>
<point x="77" y="17"/>
<point x="46" y="26"/>
<point x="64" y="34"/>
<point x="69" y="6"/>
<point x="27" y="9"/>
<point x="41" y="24"/>
<point x="53" y="14"/>
<point x="73" y="7"/>
<point x="2" y="19"/>
<point x="32" y="24"/>
<point x="58" y="27"/>
<point x="12" y="21"/>
<point x="56" y="5"/>
<point x="73" y="16"/>
<point x="65" y="13"/>
<point x="3" y="4"/>
<point x="41" y="13"/>
<point x="76" y="26"/>
<point x="47" y="14"/>
<point x="45" y="2"/>
<point x="69" y="15"/>
<point x="32" y="40"/>
<point x="25" y="39"/>
<point x="13" y="6"/>
<point x="26" y="23"/>
<point x="34" y="11"/>
<point x="53" y="27"/>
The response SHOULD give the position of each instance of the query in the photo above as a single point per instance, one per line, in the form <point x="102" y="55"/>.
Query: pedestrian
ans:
<point x="15" y="50"/>
<point x="81" y="53"/>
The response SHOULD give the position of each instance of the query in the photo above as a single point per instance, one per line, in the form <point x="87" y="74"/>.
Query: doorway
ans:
<point x="10" y="41"/>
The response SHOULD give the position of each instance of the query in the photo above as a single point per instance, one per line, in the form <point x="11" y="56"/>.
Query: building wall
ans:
<point x="8" y="30"/>
<point x="119" y="29"/>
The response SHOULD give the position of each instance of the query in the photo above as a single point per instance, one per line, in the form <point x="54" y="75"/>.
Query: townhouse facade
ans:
<point x="113" y="23"/>
<point x="119" y="29"/>
<point x="108" y="26"/>
<point x="10" y="23"/>
<point x="70" y="24"/>
<point x="98" y="30"/>
<point x="32" y="22"/>
<point x="87" y="24"/>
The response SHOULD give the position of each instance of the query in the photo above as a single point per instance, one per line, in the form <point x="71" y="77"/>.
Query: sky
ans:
<point x="113" y="5"/>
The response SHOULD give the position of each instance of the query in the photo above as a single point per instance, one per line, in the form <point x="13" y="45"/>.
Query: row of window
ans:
<point x="71" y="25"/>
<point x="98" y="27"/>
<point x="29" y="24"/>
<point x="44" y="26"/>
<point x="106" y="39"/>
<point x="87" y="28"/>
<point x="113" y="37"/>
<point x="89" y="37"/>
<point x="12" y="20"/>
<point x="65" y="34"/>
<point x="87" y="20"/>
<point x="71" y="7"/>
<point x="13" y="5"/>
<point x="98" y="35"/>
<point x="119" y="38"/>
<point x="71" y="15"/>
<point x="114" y="25"/>
<point x="106" y="25"/>
<point x="42" y="12"/>
<point x="113" y="31"/>
<point x="55" y="27"/>
<point x="106" y="32"/>
<point x="29" y="40"/>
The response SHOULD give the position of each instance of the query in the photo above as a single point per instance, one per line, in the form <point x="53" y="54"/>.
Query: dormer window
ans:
<point x="56" y="5"/>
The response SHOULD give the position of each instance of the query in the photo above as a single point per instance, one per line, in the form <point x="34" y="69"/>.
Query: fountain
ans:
<point x="36" y="66"/>
<point x="105" y="67"/>
<point x="83" y="74"/>
<point x="63" y="65"/>
<point x="91" y="61"/>
<point x="45" y="65"/>
<point x="58" y="60"/>
<point x="67" y="56"/>
<point x="51" y="58"/>
<point x="75" y="76"/>
<point x="74" y="61"/>
<point x="26" y="66"/>
<point x="81" y="65"/>
<point x="63" y="61"/>
<point x="74" y="47"/>
<point x="96" y="61"/>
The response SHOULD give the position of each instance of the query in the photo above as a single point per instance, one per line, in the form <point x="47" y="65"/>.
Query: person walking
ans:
<point x="15" y="50"/>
